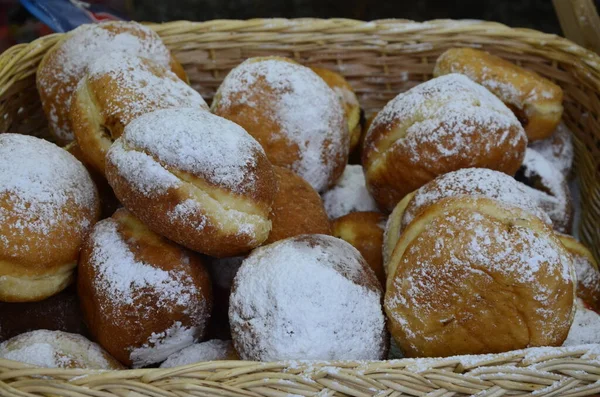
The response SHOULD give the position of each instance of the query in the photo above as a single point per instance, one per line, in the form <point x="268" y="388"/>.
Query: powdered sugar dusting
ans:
<point x="585" y="328"/>
<point x="162" y="344"/>
<point x="474" y="182"/>
<point x="307" y="110"/>
<point x="123" y="278"/>
<point x="349" y="194"/>
<point x="558" y="149"/>
<point x="139" y="85"/>
<point x="199" y="143"/>
<point x="294" y="299"/>
<point x="556" y="200"/>
<point x="211" y="350"/>
<point x="587" y="275"/>
<point x="474" y="249"/>
<point x="39" y="181"/>
<point x="82" y="47"/>
<point x="54" y="349"/>
<point x="447" y="113"/>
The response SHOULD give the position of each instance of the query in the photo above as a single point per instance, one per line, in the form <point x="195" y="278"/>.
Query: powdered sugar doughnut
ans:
<point x="548" y="188"/>
<point x="143" y="297"/>
<point x="57" y="349"/>
<point x="558" y="149"/>
<point x="535" y="100"/>
<point x="471" y="275"/>
<point x="196" y="178"/>
<point x="585" y="328"/>
<point x="48" y="204"/>
<point x="442" y="125"/>
<point x="66" y="63"/>
<point x="117" y="89"/>
<point x="212" y="350"/>
<point x="309" y="297"/>
<point x="586" y="268"/>
<point x="292" y="112"/>
<point x="349" y="194"/>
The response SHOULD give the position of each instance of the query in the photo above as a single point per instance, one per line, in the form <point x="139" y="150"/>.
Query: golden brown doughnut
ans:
<point x="117" y="89"/>
<point x="349" y="101"/>
<point x="212" y="350"/>
<point x="297" y="208"/>
<point x="440" y="126"/>
<point x="48" y="204"/>
<point x="143" y="297"/>
<point x="108" y="202"/>
<point x="364" y="231"/>
<point x="57" y="349"/>
<point x="292" y="112"/>
<point x="548" y="188"/>
<point x="66" y="63"/>
<point x="586" y="268"/>
<point x="558" y="149"/>
<point x="309" y="297"/>
<point x="195" y="178"/>
<point x="535" y="100"/>
<point x="471" y="275"/>
<point x="60" y="312"/>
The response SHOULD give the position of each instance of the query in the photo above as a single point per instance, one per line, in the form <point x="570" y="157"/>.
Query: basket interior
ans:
<point x="379" y="59"/>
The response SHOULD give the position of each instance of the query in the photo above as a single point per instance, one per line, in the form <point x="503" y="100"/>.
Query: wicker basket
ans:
<point x="379" y="59"/>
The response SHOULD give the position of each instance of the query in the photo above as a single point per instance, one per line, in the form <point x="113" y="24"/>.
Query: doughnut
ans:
<point x="48" y="204"/>
<point x="212" y="350"/>
<point x="467" y="181"/>
<point x="66" y="63"/>
<point x="195" y="178"/>
<point x="349" y="194"/>
<point x="472" y="275"/>
<point x="143" y="297"/>
<point x="548" y="188"/>
<point x="310" y="297"/>
<point x="117" y="89"/>
<point x="349" y="101"/>
<point x="57" y="349"/>
<point x="292" y="112"/>
<point x="558" y="149"/>
<point x="585" y="328"/>
<point x="442" y="125"/>
<point x="60" y="312"/>
<point x="297" y="208"/>
<point x="108" y="202"/>
<point x="535" y="100"/>
<point x="586" y="268"/>
<point x="364" y="231"/>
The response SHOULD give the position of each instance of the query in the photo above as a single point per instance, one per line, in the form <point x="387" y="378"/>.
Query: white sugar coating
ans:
<point x="163" y="344"/>
<point x="557" y="201"/>
<point x="152" y="86"/>
<point x="211" y="350"/>
<point x="40" y="181"/>
<point x="518" y="254"/>
<point x="199" y="143"/>
<point x="308" y="112"/>
<point x="145" y="174"/>
<point x="349" y="194"/>
<point x="90" y="42"/>
<point x="447" y="113"/>
<point x="585" y="328"/>
<point x="223" y="270"/>
<point x="306" y="298"/>
<point x="54" y="349"/>
<point x="558" y="148"/>
<point x="587" y="275"/>
<point x="474" y="182"/>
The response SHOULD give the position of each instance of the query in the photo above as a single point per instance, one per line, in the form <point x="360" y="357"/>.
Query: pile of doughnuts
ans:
<point x="169" y="232"/>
